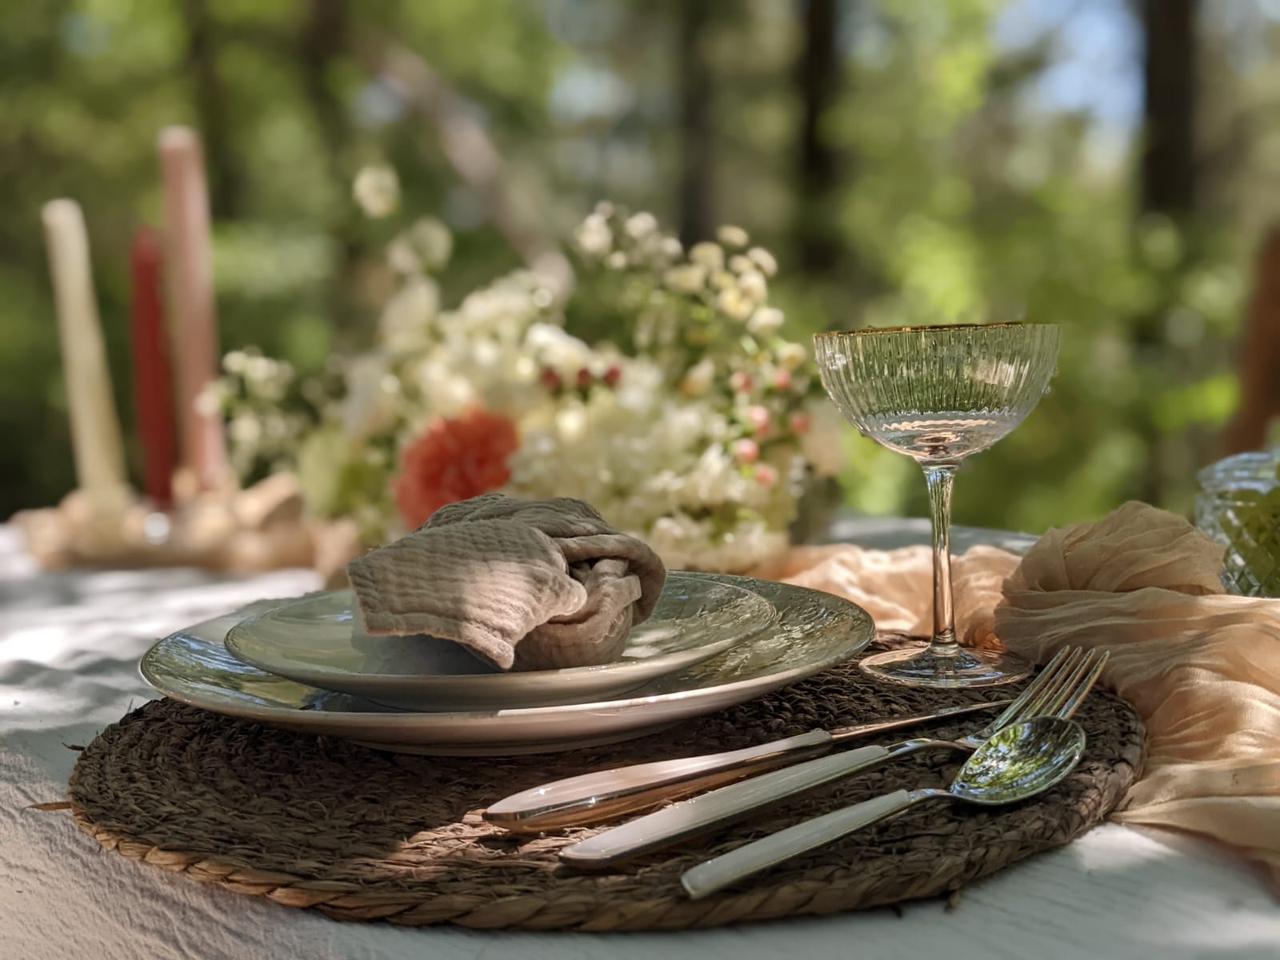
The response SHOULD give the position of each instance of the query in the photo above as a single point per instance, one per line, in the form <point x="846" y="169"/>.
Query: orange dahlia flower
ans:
<point x="456" y="458"/>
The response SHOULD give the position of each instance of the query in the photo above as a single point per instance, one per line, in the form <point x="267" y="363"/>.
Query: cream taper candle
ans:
<point x="190" y="267"/>
<point x="95" y="427"/>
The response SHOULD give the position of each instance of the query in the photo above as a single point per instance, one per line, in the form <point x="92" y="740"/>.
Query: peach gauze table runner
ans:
<point x="1200" y="665"/>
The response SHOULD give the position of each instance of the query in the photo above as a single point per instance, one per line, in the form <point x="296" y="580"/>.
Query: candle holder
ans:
<point x="256" y="529"/>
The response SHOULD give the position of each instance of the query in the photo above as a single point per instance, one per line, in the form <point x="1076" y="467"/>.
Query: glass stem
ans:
<point x="940" y="479"/>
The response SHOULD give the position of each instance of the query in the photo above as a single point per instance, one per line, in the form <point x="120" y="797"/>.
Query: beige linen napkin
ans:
<point x="1200" y="666"/>
<point x="531" y="584"/>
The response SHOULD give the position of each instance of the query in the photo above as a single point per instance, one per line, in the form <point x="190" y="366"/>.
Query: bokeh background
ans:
<point x="1110" y="166"/>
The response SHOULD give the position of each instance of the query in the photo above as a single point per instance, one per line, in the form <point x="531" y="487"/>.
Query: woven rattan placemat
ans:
<point x="364" y="835"/>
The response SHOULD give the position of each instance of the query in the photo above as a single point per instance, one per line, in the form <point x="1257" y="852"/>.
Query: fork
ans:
<point x="1058" y="690"/>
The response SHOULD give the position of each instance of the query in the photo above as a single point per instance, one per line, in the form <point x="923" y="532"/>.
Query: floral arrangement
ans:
<point x="659" y="388"/>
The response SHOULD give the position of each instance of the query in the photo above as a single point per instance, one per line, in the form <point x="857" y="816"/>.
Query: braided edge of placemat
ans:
<point x="835" y="890"/>
<point x="823" y="889"/>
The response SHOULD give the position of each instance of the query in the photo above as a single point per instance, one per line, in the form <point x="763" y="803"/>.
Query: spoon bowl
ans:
<point x="1020" y="761"/>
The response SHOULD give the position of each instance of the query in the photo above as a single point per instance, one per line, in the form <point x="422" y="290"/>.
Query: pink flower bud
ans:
<point x="766" y="475"/>
<point x="801" y="422"/>
<point x="740" y="382"/>
<point x="585" y="379"/>
<point x="782" y="379"/>
<point x="746" y="450"/>
<point x="760" y="421"/>
<point x="613" y="375"/>
<point x="550" y="379"/>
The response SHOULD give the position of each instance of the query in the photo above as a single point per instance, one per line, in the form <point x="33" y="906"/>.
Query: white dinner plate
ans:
<point x="813" y="631"/>
<point x="317" y="640"/>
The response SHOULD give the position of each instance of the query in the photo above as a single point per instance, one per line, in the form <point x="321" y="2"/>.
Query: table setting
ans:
<point x="510" y="694"/>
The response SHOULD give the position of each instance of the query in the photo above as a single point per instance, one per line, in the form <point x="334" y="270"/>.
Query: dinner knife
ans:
<point x="606" y="794"/>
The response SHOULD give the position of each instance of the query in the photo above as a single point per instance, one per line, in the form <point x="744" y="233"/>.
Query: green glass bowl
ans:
<point x="1239" y="506"/>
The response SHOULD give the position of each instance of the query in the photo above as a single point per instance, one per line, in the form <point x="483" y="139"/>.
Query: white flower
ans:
<point x="259" y="368"/>
<point x="686" y="278"/>
<point x="767" y="320"/>
<point x="427" y="245"/>
<point x="732" y="236"/>
<point x="402" y="257"/>
<point x="525" y="369"/>
<point x="377" y="190"/>
<point x="234" y="362"/>
<point x="369" y="405"/>
<point x="671" y="248"/>
<point x="764" y="260"/>
<point x="739" y="263"/>
<point x="734" y="305"/>
<point x="407" y="317"/>
<point x="685" y="543"/>
<point x="433" y="241"/>
<point x="723" y="280"/>
<point x="753" y="285"/>
<point x="709" y="255"/>
<point x="244" y="429"/>
<point x="321" y="457"/>
<point x="792" y="355"/>
<point x="823" y="444"/>
<point x="616" y="260"/>
<point x="571" y="423"/>
<point x="593" y="235"/>
<point x="640" y="225"/>
<point x="554" y="348"/>
<point x="699" y="378"/>
<point x="445" y="392"/>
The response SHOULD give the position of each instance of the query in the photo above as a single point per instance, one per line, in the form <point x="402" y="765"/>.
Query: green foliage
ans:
<point x="960" y="198"/>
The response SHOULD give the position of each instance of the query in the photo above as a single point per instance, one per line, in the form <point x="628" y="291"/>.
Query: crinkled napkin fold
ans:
<point x="531" y="584"/>
<point x="1202" y="667"/>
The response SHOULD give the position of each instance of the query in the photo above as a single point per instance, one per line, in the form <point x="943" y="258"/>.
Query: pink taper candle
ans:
<point x="189" y="261"/>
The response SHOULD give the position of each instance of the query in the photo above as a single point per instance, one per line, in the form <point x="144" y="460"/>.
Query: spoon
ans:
<point x="1018" y="762"/>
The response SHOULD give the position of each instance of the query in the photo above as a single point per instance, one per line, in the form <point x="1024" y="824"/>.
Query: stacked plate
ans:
<point x="712" y="642"/>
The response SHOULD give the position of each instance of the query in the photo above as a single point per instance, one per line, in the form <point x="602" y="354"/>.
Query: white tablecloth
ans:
<point x="69" y="644"/>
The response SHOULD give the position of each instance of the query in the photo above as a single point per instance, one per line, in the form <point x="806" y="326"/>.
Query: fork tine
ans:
<point x="1053" y="699"/>
<point x="1014" y="710"/>
<point x="1062" y="695"/>
<point x="1086" y="684"/>
<point x="1063" y="680"/>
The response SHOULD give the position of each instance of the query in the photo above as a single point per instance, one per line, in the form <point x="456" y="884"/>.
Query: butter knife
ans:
<point x="607" y="794"/>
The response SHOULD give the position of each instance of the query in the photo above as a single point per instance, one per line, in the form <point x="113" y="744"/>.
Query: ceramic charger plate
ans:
<point x="317" y="640"/>
<point x="813" y="631"/>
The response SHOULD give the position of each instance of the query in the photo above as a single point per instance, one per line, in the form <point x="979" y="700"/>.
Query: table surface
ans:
<point x="69" y="645"/>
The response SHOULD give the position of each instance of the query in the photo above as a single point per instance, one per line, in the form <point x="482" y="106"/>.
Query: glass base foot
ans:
<point x="919" y="666"/>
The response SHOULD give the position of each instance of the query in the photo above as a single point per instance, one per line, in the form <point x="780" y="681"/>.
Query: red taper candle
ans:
<point x="153" y="370"/>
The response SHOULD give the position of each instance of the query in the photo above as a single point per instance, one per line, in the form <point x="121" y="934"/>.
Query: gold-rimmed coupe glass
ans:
<point x="939" y="394"/>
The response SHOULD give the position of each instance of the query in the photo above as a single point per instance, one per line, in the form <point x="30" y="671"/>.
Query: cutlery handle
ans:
<point x="604" y="794"/>
<point x="725" y="805"/>
<point x="707" y="878"/>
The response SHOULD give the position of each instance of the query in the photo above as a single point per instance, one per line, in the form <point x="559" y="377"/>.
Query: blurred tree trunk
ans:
<point x="323" y="39"/>
<point x="818" y="76"/>
<point x="1167" y="191"/>
<point x="1259" y="353"/>
<point x="695" y="85"/>
<point x="225" y="179"/>
<point x="1169" y="101"/>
